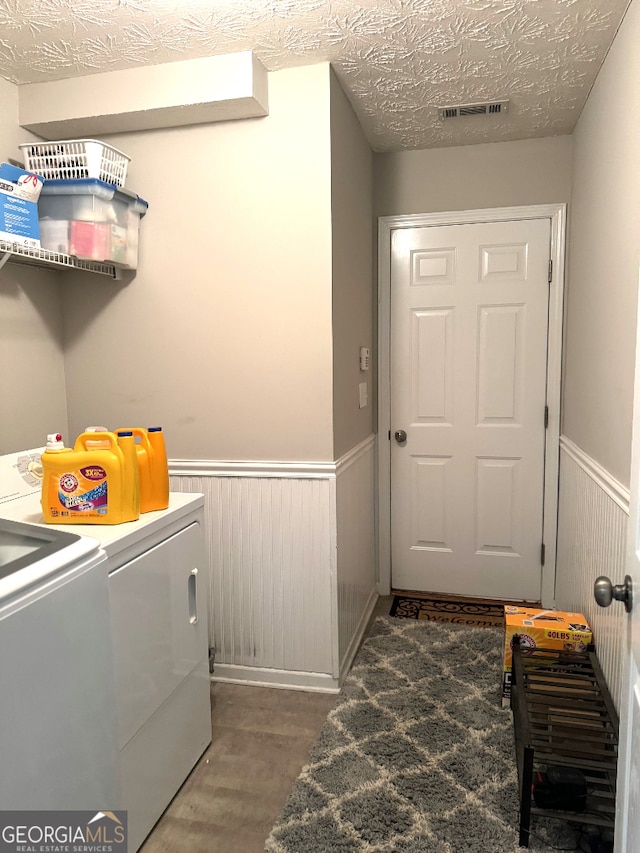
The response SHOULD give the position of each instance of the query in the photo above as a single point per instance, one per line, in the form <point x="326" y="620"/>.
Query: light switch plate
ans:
<point x="364" y="395"/>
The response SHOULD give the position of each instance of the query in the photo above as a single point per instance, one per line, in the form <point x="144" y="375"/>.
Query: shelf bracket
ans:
<point x="3" y="260"/>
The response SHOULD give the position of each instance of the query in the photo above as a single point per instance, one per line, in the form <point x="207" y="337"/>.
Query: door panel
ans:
<point x="628" y="798"/>
<point x="429" y="486"/>
<point x="469" y="316"/>
<point x="157" y="639"/>
<point x="433" y="366"/>
<point x="627" y="831"/>
<point x="500" y="362"/>
<point x="497" y="505"/>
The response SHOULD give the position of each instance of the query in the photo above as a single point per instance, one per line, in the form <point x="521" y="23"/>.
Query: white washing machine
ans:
<point x="158" y="584"/>
<point x="58" y="735"/>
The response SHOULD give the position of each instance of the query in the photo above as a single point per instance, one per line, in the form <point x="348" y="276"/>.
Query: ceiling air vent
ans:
<point x="484" y="109"/>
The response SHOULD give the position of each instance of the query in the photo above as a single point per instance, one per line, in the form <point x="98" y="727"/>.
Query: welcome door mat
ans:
<point x="458" y="611"/>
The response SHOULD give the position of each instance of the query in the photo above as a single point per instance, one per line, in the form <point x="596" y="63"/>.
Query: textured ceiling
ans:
<point x="397" y="59"/>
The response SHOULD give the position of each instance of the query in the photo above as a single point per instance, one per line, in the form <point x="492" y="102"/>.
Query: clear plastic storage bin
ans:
<point x="92" y="220"/>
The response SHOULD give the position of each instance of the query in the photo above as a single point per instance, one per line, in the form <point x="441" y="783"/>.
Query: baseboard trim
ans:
<point x="354" y="645"/>
<point x="255" y="676"/>
<point x="612" y="487"/>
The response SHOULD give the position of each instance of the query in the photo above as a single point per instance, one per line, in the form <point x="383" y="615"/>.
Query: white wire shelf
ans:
<point x="14" y="253"/>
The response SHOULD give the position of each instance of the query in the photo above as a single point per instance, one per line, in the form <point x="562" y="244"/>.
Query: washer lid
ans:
<point x="32" y="555"/>
<point x="22" y="544"/>
<point x="20" y="474"/>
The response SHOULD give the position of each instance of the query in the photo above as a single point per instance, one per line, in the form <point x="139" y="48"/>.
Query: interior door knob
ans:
<point x="604" y="592"/>
<point x="401" y="436"/>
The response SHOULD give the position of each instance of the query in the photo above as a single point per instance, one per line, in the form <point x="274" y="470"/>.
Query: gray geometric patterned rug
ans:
<point x="417" y="755"/>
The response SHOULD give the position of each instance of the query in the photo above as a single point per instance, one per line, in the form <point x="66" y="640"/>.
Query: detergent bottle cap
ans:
<point x="154" y="429"/>
<point x="96" y="429"/>
<point x="54" y="441"/>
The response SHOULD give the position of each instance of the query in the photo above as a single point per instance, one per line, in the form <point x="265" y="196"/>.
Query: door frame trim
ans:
<point x="557" y="214"/>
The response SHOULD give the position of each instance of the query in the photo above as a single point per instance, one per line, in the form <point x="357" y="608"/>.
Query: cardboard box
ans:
<point x="22" y="184"/>
<point x="19" y="191"/>
<point x="19" y="221"/>
<point x="541" y="629"/>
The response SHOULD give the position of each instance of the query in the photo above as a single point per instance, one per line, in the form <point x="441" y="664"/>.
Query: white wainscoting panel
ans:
<point x="293" y="573"/>
<point x="357" y="592"/>
<point x="592" y="528"/>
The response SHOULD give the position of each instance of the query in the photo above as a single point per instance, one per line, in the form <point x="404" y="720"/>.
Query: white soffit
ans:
<point x="195" y="91"/>
<point x="398" y="60"/>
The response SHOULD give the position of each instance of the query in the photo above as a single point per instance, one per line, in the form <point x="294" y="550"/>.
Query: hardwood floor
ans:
<point x="230" y="801"/>
<point x="233" y="796"/>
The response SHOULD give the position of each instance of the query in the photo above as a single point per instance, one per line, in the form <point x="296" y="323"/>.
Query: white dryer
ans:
<point x="158" y="582"/>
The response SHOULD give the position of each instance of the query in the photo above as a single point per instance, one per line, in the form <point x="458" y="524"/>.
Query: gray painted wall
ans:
<point x="224" y="335"/>
<point x="603" y="260"/>
<point x="352" y="259"/>
<point x="32" y="383"/>
<point x="500" y="174"/>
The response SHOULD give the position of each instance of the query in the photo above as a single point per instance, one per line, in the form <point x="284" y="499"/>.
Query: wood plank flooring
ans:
<point x="235" y="793"/>
<point x="233" y="796"/>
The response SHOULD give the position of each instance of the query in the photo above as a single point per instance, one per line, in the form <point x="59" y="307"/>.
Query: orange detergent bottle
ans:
<point x="152" y="468"/>
<point x="131" y="495"/>
<point x="159" y="467"/>
<point x="143" y="452"/>
<point x="82" y="486"/>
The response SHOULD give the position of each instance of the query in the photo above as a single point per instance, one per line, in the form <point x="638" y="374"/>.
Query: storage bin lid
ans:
<point x="100" y="189"/>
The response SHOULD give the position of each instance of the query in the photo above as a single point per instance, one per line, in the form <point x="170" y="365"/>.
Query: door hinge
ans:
<point x="389" y="435"/>
<point x="550" y="271"/>
<point x="546" y="417"/>
<point x="542" y="549"/>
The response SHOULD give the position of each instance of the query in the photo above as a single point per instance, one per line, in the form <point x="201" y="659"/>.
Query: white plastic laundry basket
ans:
<point x="73" y="159"/>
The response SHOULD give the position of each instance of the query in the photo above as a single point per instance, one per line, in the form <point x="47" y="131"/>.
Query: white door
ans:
<point x="469" y="323"/>
<point x="628" y="796"/>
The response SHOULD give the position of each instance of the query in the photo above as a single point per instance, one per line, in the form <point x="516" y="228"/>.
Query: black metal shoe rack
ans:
<point x="563" y="716"/>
